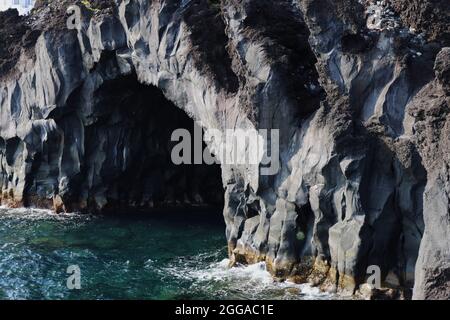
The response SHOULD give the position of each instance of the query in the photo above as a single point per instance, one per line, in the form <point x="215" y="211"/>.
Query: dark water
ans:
<point x="164" y="257"/>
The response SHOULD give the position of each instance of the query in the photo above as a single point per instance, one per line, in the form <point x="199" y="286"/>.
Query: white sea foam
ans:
<point x="40" y="214"/>
<point x="204" y="274"/>
<point x="248" y="281"/>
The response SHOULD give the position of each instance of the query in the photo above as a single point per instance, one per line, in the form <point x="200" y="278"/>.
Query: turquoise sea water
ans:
<point x="165" y="256"/>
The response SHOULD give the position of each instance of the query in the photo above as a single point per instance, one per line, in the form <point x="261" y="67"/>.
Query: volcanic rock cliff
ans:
<point x="359" y="91"/>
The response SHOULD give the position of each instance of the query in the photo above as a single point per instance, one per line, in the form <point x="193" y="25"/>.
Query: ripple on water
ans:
<point x="163" y="258"/>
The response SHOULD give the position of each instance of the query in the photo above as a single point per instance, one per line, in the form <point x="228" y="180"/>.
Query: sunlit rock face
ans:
<point x="361" y="107"/>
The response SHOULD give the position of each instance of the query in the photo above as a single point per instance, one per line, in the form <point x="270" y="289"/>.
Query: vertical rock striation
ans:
<point x="358" y="93"/>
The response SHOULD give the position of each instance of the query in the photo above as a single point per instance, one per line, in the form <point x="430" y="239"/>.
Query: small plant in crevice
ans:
<point x="89" y="5"/>
<point x="300" y="235"/>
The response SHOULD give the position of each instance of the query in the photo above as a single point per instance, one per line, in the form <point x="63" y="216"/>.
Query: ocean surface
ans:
<point x="165" y="256"/>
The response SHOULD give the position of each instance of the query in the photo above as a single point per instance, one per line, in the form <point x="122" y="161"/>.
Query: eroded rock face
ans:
<point x="361" y="105"/>
<point x="430" y="109"/>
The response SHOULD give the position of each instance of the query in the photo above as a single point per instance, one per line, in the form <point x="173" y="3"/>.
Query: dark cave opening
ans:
<point x="127" y="163"/>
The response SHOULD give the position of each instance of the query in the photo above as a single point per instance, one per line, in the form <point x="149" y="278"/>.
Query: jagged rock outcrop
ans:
<point x="360" y="100"/>
<point x="430" y="109"/>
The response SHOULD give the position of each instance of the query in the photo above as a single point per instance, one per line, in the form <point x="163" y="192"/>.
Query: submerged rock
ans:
<point x="86" y="117"/>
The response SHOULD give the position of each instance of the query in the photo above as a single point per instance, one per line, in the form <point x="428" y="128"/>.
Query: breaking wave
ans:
<point x="136" y="258"/>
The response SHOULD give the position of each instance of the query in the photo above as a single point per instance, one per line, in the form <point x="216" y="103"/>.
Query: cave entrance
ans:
<point x="127" y="148"/>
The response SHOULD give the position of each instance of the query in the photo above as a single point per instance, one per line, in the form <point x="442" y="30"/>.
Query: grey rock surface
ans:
<point x="361" y="105"/>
